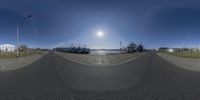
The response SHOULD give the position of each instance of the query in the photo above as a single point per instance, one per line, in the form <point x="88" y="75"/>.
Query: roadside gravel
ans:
<point x="14" y="63"/>
<point x="102" y="60"/>
<point x="186" y="63"/>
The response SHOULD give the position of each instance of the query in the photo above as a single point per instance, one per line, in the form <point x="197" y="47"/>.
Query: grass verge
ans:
<point x="21" y="54"/>
<point x="186" y="54"/>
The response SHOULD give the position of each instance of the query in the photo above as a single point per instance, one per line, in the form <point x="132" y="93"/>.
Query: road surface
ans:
<point x="55" y="78"/>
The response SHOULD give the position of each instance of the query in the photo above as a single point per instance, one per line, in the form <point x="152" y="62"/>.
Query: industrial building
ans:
<point x="7" y="48"/>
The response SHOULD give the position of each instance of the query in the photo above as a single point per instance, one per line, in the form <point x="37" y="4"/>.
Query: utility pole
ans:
<point x="72" y="44"/>
<point x="17" y="47"/>
<point x="84" y="45"/>
<point x="79" y="45"/>
<point x="120" y="46"/>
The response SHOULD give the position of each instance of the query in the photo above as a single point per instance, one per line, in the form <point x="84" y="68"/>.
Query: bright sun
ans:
<point x="100" y="34"/>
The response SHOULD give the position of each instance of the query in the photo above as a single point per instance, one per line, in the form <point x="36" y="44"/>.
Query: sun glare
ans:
<point x="100" y="33"/>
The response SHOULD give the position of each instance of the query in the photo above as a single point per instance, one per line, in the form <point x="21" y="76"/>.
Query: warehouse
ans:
<point x="7" y="48"/>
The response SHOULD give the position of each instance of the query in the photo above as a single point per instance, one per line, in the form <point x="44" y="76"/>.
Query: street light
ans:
<point x="29" y="16"/>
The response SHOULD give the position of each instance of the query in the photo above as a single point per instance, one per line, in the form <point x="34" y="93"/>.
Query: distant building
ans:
<point x="157" y="49"/>
<point x="163" y="49"/>
<point x="166" y="49"/>
<point x="177" y="49"/>
<point x="199" y="47"/>
<point x="185" y="49"/>
<point x="131" y="47"/>
<point x="7" y="48"/>
<point x="78" y="50"/>
<point x="170" y="50"/>
<point x="195" y="49"/>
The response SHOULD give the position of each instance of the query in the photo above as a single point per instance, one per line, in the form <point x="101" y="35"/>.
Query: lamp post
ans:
<point x="29" y="16"/>
<point x="17" y="41"/>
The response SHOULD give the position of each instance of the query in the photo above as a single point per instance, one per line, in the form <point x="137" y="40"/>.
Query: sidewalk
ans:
<point x="13" y="63"/>
<point x="186" y="63"/>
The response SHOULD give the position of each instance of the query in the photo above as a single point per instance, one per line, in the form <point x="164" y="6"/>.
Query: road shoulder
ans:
<point x="186" y="63"/>
<point x="15" y="63"/>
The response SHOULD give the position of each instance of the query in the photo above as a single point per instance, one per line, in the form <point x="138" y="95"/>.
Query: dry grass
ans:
<point x="186" y="54"/>
<point x="13" y="54"/>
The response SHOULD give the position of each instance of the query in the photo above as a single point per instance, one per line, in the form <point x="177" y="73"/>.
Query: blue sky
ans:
<point x="155" y="23"/>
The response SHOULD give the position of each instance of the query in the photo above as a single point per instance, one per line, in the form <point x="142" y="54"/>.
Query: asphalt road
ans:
<point x="55" y="78"/>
